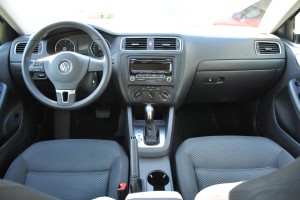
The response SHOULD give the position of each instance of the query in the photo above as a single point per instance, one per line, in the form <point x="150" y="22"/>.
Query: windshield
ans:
<point x="138" y="15"/>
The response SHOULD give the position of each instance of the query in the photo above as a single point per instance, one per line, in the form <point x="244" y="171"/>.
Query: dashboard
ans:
<point x="173" y="69"/>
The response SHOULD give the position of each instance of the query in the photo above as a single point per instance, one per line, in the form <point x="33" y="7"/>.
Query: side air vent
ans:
<point x="19" y="49"/>
<point x="166" y="44"/>
<point x="136" y="44"/>
<point x="267" y="48"/>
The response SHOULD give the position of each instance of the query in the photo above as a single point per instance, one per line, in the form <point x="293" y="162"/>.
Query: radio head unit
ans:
<point x="157" y="69"/>
<point x="150" y="66"/>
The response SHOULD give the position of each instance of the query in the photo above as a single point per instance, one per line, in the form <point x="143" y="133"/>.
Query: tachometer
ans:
<point x="64" y="45"/>
<point x="95" y="50"/>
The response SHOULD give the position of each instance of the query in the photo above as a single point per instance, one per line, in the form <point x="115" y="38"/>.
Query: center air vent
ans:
<point x="267" y="48"/>
<point x="20" y="46"/>
<point x="151" y="43"/>
<point x="166" y="44"/>
<point x="136" y="44"/>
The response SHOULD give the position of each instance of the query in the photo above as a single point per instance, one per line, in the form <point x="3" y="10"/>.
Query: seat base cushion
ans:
<point x="206" y="161"/>
<point x="72" y="169"/>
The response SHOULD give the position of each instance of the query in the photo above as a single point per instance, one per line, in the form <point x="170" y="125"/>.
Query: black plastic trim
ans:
<point x="3" y="96"/>
<point x="294" y="91"/>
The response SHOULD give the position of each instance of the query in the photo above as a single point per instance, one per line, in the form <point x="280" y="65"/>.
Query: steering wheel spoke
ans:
<point x="96" y="65"/>
<point x="65" y="97"/>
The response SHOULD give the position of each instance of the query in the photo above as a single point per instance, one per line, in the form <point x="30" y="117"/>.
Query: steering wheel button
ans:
<point x="41" y="75"/>
<point x="36" y="63"/>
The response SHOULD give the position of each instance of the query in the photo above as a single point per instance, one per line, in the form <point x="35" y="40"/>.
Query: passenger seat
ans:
<point x="206" y="161"/>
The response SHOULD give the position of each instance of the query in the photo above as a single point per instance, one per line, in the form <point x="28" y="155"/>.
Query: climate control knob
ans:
<point x="136" y="95"/>
<point x="150" y="96"/>
<point x="165" y="95"/>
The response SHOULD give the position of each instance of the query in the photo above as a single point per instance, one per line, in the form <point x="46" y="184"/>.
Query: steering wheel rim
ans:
<point x="106" y="68"/>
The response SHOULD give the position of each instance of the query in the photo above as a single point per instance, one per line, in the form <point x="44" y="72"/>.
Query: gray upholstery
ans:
<point x="281" y="184"/>
<point x="11" y="190"/>
<point x="217" y="192"/>
<point x="205" y="161"/>
<point x="72" y="169"/>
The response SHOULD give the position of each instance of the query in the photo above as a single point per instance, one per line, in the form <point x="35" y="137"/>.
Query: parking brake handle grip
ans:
<point x="134" y="162"/>
<point x="135" y="180"/>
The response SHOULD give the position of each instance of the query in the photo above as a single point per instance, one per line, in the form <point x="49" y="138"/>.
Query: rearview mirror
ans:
<point x="238" y="15"/>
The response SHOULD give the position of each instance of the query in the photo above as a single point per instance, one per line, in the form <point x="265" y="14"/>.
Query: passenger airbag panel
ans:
<point x="231" y="65"/>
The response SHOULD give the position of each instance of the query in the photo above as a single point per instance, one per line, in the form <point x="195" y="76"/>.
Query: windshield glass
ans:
<point x="140" y="15"/>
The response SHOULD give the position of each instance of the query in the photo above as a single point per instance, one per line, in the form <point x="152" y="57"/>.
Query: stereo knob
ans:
<point x="136" y="95"/>
<point x="164" y="95"/>
<point x="132" y="78"/>
<point x="169" y="79"/>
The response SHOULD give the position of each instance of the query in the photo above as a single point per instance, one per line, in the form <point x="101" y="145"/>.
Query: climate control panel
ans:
<point x="151" y="94"/>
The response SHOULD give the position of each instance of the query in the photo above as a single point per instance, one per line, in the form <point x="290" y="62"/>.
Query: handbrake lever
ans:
<point x="135" y="180"/>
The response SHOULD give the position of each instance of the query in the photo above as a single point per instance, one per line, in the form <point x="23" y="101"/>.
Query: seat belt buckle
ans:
<point x="122" y="191"/>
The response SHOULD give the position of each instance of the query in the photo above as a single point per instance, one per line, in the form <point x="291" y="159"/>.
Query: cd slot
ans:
<point x="150" y="66"/>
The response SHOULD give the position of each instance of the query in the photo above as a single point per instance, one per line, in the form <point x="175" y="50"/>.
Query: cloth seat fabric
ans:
<point x="205" y="161"/>
<point x="71" y="168"/>
<point x="281" y="184"/>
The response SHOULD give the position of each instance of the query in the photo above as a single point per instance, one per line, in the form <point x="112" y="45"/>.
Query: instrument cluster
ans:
<point x="80" y="44"/>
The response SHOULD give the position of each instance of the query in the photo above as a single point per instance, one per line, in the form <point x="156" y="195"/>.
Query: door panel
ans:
<point x="20" y="114"/>
<point x="10" y="121"/>
<point x="13" y="137"/>
<point x="286" y="115"/>
<point x="278" y="115"/>
<point x="10" y="103"/>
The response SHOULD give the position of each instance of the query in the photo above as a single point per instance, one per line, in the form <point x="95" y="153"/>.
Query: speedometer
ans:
<point x="95" y="50"/>
<point x="64" y="45"/>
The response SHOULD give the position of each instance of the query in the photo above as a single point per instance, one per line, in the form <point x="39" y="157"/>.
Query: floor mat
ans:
<point x="85" y="124"/>
<point x="196" y="120"/>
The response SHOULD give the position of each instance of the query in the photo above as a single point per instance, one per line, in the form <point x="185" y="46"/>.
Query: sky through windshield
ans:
<point x="118" y="15"/>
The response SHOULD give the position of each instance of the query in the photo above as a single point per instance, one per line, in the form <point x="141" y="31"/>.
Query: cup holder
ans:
<point x="158" y="179"/>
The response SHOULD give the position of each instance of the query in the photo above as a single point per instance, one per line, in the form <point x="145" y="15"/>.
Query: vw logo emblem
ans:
<point x="64" y="67"/>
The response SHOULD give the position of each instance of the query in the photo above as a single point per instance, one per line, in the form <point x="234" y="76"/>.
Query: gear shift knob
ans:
<point x="151" y="134"/>
<point x="149" y="113"/>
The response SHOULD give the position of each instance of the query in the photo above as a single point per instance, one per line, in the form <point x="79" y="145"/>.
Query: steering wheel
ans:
<point x="66" y="69"/>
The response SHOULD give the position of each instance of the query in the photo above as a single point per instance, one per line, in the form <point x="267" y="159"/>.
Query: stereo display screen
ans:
<point x="151" y="67"/>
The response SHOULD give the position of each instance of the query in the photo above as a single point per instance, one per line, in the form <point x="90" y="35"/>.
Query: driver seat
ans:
<point x="72" y="168"/>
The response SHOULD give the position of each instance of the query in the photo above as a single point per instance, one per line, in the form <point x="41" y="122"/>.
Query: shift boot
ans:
<point x="151" y="136"/>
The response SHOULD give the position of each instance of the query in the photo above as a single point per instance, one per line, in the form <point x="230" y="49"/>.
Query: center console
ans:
<point x="148" y="80"/>
<point x="151" y="79"/>
<point x="154" y="145"/>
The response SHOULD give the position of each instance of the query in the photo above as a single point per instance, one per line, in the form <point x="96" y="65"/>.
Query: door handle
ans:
<point x="294" y="92"/>
<point x="3" y="95"/>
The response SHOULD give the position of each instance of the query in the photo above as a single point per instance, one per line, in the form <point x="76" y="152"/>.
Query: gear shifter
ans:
<point x="151" y="134"/>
